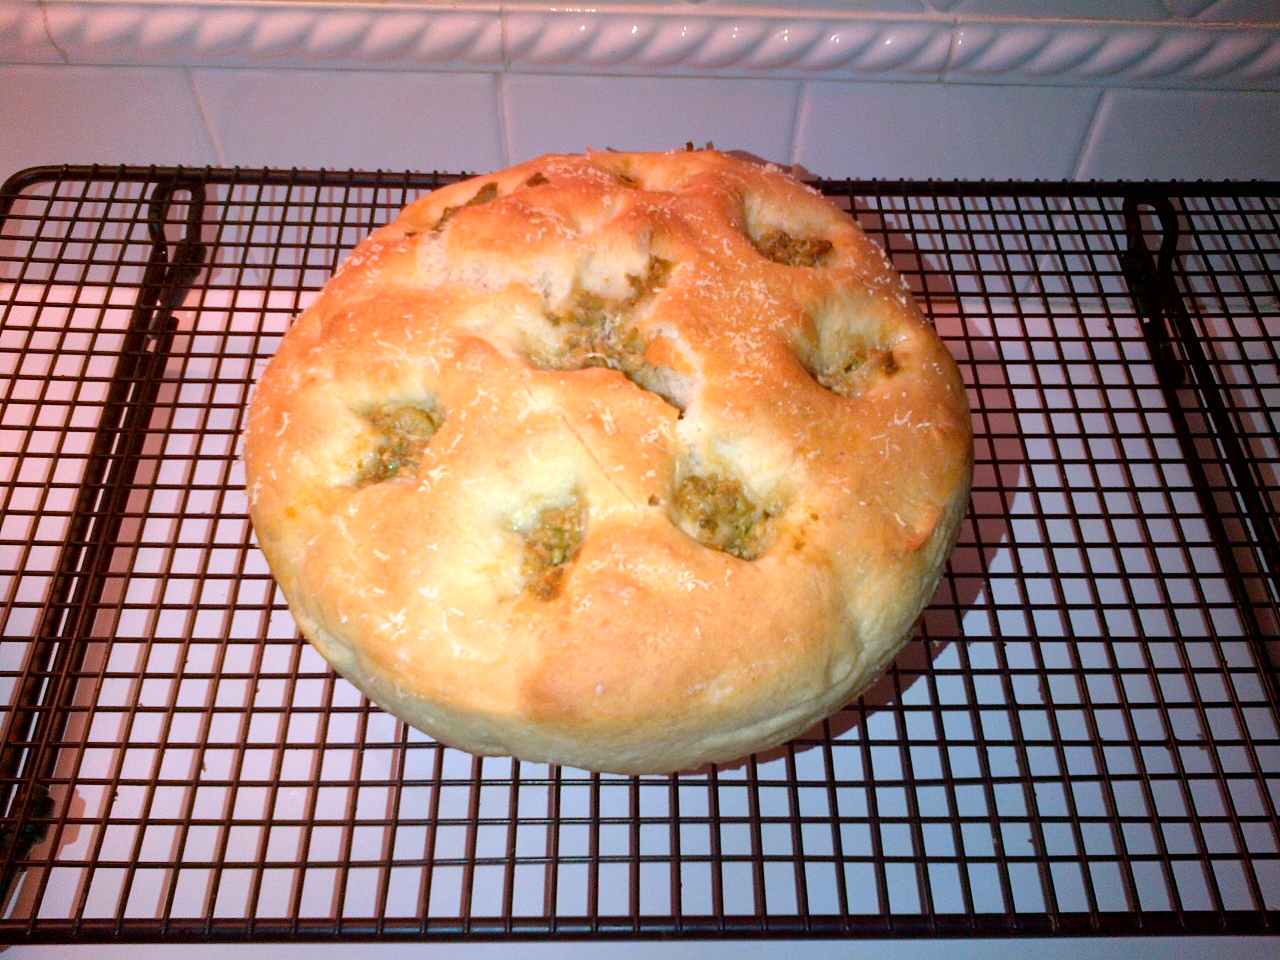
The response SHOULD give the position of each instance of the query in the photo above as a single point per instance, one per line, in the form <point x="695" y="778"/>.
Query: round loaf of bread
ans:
<point x="631" y="462"/>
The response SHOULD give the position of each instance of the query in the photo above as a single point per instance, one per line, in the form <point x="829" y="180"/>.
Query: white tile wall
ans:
<point x="1161" y="134"/>
<point x="569" y="113"/>
<point x="1243" y="10"/>
<point x="1080" y="9"/>
<point x="943" y="130"/>
<point x="63" y="114"/>
<point x="883" y="88"/>
<point x="1188" y="8"/>
<point x="860" y="6"/>
<point x="477" y="121"/>
<point x="23" y="38"/>
<point x="347" y="119"/>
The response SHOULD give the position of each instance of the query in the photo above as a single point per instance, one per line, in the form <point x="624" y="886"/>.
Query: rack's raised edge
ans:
<point x="1165" y="923"/>
<point x="21" y="181"/>
<point x="379" y="177"/>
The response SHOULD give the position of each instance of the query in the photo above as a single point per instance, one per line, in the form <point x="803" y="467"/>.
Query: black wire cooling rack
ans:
<point x="1083" y="740"/>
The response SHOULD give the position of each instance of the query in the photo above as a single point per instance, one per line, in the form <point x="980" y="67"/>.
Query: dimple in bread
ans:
<point x="631" y="462"/>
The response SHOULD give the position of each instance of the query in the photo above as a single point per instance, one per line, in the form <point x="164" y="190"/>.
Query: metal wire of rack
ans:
<point x="1083" y="740"/>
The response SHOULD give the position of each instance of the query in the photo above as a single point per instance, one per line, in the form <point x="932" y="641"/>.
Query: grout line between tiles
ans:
<point x="504" y="118"/>
<point x="799" y="126"/>
<point x="794" y="132"/>
<point x="500" y="78"/>
<point x="218" y="152"/>
<point x="1091" y="134"/>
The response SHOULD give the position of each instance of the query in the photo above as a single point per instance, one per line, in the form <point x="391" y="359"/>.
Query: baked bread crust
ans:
<point x="631" y="462"/>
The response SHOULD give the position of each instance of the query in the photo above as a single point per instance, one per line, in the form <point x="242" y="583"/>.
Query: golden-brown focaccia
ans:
<point x="630" y="462"/>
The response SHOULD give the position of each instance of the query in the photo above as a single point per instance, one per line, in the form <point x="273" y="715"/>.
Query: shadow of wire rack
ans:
<point x="1083" y="740"/>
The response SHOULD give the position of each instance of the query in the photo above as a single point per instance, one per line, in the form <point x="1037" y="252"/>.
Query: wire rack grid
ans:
<point x="1082" y="740"/>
